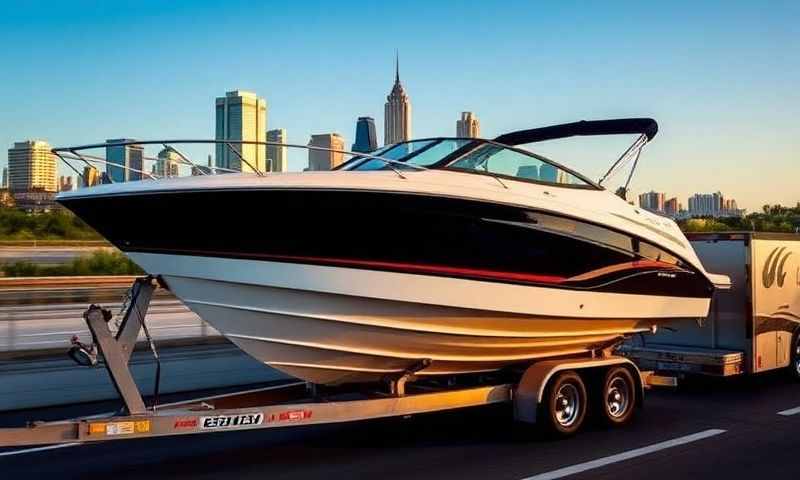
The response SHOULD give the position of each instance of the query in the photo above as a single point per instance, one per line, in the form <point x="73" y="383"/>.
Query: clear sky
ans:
<point x="722" y="78"/>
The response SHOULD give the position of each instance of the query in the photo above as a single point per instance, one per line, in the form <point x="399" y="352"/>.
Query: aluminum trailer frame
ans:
<point x="297" y="403"/>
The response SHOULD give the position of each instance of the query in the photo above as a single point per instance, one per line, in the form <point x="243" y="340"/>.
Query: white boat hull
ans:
<point x="308" y="321"/>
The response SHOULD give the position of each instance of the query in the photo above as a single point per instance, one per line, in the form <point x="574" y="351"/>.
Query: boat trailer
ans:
<point x="292" y="403"/>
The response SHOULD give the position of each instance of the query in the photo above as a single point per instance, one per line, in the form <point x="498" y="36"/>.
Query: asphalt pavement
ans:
<point x="746" y="428"/>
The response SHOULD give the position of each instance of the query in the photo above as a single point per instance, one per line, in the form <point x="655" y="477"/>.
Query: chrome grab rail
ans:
<point x="72" y="153"/>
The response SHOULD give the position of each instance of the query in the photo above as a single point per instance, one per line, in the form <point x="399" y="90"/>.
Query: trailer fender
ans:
<point x="530" y="391"/>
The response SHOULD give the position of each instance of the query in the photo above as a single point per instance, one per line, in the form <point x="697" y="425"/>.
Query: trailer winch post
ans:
<point x="117" y="349"/>
<point x="140" y="295"/>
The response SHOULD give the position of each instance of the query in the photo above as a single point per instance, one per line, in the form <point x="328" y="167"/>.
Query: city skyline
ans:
<point x="718" y="81"/>
<point x="698" y="205"/>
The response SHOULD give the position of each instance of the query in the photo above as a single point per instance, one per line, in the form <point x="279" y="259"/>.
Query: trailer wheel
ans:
<point x="617" y="397"/>
<point x="794" y="366"/>
<point x="564" y="404"/>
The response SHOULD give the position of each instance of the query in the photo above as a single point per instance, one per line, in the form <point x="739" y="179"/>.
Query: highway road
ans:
<point x="742" y="429"/>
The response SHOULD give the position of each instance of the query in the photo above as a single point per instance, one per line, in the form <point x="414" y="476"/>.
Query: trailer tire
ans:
<point x="564" y="405"/>
<point x="617" y="400"/>
<point x="794" y="363"/>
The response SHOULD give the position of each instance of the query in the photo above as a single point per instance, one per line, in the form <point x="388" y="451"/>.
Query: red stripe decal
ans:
<point x="417" y="268"/>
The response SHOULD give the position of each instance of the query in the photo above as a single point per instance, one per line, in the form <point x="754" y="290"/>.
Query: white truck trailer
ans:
<point x="753" y="327"/>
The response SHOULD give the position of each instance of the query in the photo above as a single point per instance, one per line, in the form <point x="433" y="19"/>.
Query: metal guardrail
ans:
<point x="40" y="314"/>
<point x="55" y="243"/>
<point x="64" y="282"/>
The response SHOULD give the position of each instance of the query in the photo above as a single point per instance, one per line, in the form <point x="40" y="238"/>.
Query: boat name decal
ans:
<point x="231" y="421"/>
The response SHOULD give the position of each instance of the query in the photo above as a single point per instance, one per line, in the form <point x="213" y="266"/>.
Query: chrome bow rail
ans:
<point x="79" y="154"/>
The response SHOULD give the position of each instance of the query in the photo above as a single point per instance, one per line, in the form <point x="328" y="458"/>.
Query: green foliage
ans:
<point x="55" y="225"/>
<point x="772" y="218"/>
<point x="101" y="262"/>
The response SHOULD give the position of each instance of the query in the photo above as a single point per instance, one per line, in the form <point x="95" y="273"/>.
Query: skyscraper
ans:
<point x="549" y="173"/>
<point x="127" y="157"/>
<point x="468" y="126"/>
<point x="91" y="176"/>
<point x="671" y="207"/>
<point x="277" y="155"/>
<point x="167" y="164"/>
<point x="714" y="205"/>
<point x="5" y="178"/>
<point x="652" y="201"/>
<point x="32" y="167"/>
<point x="323" y="159"/>
<point x="397" y="112"/>
<point x="241" y="116"/>
<point x="65" y="183"/>
<point x="366" y="139"/>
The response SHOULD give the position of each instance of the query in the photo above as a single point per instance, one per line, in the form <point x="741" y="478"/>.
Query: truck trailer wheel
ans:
<point x="617" y="400"/>
<point x="564" y="404"/>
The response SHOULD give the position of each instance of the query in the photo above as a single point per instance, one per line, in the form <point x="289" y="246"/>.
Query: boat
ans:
<point x="437" y="256"/>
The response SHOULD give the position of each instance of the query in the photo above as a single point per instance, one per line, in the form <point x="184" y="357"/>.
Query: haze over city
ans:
<point x="719" y="77"/>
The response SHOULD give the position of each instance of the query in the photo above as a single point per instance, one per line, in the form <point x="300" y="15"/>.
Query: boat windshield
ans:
<point x="476" y="156"/>
<point x="494" y="159"/>
<point x="422" y="153"/>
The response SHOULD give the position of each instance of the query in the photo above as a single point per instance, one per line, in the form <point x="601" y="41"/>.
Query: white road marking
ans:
<point x="791" y="411"/>
<point x="37" y="449"/>
<point x="620" y="457"/>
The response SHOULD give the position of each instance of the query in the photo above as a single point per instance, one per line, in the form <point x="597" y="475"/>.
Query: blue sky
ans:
<point x="722" y="78"/>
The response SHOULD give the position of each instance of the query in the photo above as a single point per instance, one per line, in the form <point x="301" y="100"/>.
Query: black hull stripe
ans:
<point x="388" y="231"/>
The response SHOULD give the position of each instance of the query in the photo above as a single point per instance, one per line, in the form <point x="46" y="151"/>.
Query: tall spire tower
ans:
<point x="397" y="112"/>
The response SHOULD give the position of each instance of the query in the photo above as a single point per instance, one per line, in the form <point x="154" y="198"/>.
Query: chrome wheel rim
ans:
<point x="617" y="397"/>
<point x="568" y="405"/>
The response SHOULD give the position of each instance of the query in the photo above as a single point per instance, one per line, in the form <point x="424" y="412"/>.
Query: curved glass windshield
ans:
<point x="422" y="153"/>
<point x="498" y="160"/>
<point x="477" y="156"/>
